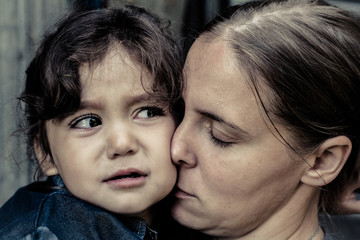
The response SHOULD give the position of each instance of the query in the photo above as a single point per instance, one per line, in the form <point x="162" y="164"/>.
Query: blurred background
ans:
<point x="22" y="24"/>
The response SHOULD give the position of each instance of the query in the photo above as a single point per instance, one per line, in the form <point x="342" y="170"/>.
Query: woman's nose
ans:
<point x="182" y="147"/>
<point x="121" y="142"/>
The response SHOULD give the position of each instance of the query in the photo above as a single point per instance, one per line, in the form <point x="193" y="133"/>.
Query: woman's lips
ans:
<point x="179" y="193"/>
<point x="127" y="178"/>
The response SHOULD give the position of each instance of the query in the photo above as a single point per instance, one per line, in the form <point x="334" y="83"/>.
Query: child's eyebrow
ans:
<point x="90" y="104"/>
<point x="145" y="97"/>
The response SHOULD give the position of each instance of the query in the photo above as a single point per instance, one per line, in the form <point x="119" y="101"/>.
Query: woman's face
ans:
<point x="234" y="174"/>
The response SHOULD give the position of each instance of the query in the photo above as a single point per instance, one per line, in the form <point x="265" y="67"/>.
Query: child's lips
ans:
<point x="127" y="178"/>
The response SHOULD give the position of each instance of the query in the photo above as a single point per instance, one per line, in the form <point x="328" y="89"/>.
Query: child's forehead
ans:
<point x="116" y="61"/>
<point x="116" y="70"/>
<point x="116" y="55"/>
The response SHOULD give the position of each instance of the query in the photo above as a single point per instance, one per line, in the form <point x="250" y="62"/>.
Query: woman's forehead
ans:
<point x="209" y="60"/>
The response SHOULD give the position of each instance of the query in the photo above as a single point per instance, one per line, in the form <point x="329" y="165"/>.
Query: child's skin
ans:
<point x="119" y="130"/>
<point x="101" y="101"/>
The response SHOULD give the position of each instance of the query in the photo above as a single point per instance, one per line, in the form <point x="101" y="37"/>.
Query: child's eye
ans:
<point x="84" y="122"/>
<point x="149" y="112"/>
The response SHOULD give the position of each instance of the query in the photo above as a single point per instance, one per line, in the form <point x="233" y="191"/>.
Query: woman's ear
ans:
<point x="327" y="161"/>
<point x="45" y="162"/>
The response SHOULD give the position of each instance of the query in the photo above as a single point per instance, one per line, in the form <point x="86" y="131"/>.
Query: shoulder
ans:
<point x="68" y="217"/>
<point x="18" y="214"/>
<point x="31" y="214"/>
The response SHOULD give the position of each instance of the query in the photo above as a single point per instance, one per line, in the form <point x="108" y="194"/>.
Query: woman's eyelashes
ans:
<point x="86" y="121"/>
<point x="217" y="141"/>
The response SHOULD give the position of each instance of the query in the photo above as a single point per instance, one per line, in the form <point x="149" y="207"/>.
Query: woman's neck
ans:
<point x="297" y="219"/>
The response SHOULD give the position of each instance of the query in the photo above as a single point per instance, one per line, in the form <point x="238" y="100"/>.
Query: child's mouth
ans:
<point x="127" y="178"/>
<point x="131" y="175"/>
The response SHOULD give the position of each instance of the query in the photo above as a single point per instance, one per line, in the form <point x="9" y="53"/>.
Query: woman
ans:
<point x="271" y="127"/>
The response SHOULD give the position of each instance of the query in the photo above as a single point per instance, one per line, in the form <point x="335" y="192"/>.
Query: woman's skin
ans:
<point x="236" y="179"/>
<point x="225" y="127"/>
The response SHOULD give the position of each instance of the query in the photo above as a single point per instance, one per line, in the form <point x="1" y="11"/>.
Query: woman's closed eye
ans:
<point x="218" y="142"/>
<point x="221" y="136"/>
<point x="86" y="121"/>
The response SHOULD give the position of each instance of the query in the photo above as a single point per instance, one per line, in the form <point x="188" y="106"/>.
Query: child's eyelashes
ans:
<point x="149" y="112"/>
<point x="86" y="121"/>
<point x="91" y="120"/>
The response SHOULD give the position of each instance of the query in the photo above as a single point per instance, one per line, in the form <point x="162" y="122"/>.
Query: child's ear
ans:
<point x="45" y="162"/>
<point x="327" y="161"/>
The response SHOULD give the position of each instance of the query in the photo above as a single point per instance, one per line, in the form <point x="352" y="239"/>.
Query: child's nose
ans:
<point x="121" y="143"/>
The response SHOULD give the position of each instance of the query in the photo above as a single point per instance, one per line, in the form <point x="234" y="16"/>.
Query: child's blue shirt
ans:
<point x="47" y="210"/>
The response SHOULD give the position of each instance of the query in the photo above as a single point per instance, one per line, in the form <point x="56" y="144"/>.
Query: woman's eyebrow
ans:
<point x="219" y="119"/>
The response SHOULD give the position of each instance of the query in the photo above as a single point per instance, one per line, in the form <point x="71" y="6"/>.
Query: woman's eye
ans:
<point x="218" y="142"/>
<point x="150" y="112"/>
<point x="86" y="122"/>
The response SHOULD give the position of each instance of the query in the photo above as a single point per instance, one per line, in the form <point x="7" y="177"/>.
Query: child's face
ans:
<point x="115" y="151"/>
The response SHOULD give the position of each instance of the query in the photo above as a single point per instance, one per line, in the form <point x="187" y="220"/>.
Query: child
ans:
<point x="100" y="100"/>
